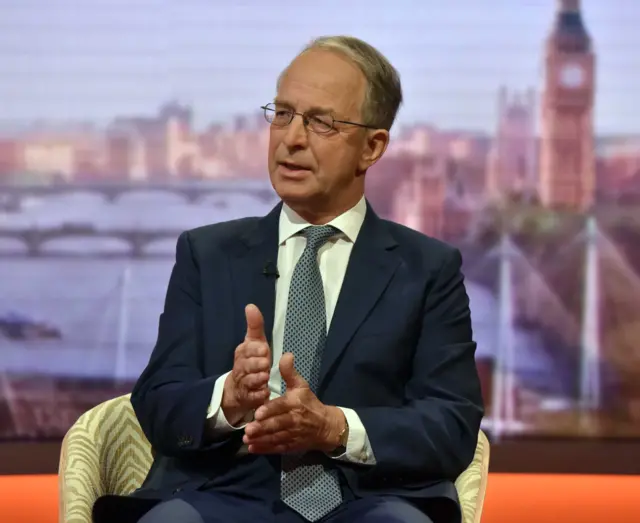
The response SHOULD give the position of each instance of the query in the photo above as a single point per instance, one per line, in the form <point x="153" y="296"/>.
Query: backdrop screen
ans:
<point x="123" y="123"/>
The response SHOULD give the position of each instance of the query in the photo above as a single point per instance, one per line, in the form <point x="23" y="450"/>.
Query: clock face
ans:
<point x="572" y="76"/>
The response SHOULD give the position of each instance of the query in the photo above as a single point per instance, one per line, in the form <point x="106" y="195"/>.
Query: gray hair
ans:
<point x="384" y="90"/>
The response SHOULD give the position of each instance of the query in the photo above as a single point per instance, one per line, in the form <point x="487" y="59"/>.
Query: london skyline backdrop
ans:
<point x="67" y="60"/>
<point x="460" y="187"/>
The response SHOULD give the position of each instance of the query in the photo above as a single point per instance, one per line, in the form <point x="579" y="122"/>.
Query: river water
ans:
<point x="107" y="308"/>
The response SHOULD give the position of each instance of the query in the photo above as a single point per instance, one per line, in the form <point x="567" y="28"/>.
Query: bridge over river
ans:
<point x="12" y="196"/>
<point x="36" y="239"/>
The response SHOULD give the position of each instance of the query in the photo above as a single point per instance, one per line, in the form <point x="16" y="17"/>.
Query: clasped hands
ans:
<point x="294" y="422"/>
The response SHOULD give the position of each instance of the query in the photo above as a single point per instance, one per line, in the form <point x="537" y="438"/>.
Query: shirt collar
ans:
<point x="349" y="222"/>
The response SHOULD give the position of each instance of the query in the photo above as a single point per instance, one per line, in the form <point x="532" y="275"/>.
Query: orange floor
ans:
<point x="510" y="498"/>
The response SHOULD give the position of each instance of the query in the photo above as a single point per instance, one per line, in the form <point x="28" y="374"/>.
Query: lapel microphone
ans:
<point x="270" y="270"/>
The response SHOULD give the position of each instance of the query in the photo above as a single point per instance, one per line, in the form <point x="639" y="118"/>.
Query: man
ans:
<point x="316" y="364"/>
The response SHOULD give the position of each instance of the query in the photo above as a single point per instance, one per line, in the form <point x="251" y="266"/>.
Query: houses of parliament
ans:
<point x="559" y="168"/>
<point x="554" y="166"/>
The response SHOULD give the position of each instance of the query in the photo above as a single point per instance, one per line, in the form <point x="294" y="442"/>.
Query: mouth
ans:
<point x="292" y="168"/>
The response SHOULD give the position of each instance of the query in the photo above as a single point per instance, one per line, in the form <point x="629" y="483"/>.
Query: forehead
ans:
<point x="323" y="79"/>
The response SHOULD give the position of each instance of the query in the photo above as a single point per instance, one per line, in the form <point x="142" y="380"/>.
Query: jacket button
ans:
<point x="176" y="491"/>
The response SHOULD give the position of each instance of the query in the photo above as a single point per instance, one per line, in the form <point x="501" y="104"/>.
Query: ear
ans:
<point x="376" y="142"/>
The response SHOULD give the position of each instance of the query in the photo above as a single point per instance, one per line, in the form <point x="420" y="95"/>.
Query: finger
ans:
<point x="254" y="348"/>
<point x="258" y="429"/>
<point x="282" y="437"/>
<point x="269" y="449"/>
<point x="275" y="407"/>
<point x="289" y="374"/>
<point x="255" y="323"/>
<point x="254" y="365"/>
<point x="257" y="398"/>
<point x="255" y="381"/>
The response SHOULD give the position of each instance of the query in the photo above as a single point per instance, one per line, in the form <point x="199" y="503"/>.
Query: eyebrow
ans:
<point x="313" y="109"/>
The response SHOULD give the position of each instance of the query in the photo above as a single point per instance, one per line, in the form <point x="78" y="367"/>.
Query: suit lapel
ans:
<point x="249" y="255"/>
<point x="371" y="265"/>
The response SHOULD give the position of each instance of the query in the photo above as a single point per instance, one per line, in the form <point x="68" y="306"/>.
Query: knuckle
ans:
<point x="255" y="396"/>
<point x="259" y="347"/>
<point x="253" y="346"/>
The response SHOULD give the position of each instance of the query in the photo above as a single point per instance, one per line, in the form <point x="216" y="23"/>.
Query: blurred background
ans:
<point x="123" y="123"/>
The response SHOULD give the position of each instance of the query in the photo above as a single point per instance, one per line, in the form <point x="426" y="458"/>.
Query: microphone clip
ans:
<point x="270" y="270"/>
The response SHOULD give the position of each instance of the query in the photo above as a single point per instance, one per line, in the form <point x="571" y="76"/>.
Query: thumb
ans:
<point x="255" y="323"/>
<point x="289" y="373"/>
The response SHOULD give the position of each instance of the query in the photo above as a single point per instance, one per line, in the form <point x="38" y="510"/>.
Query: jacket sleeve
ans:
<point x="434" y="435"/>
<point x="172" y="396"/>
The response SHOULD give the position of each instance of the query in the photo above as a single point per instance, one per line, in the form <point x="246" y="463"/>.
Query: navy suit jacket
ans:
<point x="399" y="352"/>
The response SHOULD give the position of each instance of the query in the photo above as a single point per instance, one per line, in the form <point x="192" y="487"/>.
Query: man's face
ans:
<point x="323" y="171"/>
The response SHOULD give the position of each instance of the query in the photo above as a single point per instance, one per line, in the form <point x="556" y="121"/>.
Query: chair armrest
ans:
<point x="472" y="483"/>
<point x="79" y="477"/>
<point x="104" y="452"/>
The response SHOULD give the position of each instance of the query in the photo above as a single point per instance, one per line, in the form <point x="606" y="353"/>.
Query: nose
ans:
<point x="296" y="133"/>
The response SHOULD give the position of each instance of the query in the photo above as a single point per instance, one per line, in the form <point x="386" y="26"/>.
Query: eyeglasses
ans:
<point x="319" y="123"/>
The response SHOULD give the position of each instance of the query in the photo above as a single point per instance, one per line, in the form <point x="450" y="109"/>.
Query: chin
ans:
<point x="295" y="190"/>
<point x="295" y="194"/>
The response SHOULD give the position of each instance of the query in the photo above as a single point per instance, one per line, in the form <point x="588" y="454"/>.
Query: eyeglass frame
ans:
<point x="305" y="119"/>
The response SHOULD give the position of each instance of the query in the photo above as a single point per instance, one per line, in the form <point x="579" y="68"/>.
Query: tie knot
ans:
<point x="317" y="235"/>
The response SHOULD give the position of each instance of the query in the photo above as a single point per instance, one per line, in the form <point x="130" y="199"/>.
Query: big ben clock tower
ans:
<point x="567" y="157"/>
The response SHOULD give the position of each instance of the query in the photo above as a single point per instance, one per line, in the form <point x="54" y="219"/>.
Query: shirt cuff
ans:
<point x="358" y="446"/>
<point x="217" y="423"/>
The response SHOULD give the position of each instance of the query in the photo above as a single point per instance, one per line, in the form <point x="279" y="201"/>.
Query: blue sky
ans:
<point x="94" y="59"/>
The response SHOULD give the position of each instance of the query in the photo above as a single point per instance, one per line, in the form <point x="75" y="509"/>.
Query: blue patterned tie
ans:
<point x="306" y="486"/>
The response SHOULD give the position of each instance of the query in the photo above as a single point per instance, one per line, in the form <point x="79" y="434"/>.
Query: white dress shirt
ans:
<point x="333" y="258"/>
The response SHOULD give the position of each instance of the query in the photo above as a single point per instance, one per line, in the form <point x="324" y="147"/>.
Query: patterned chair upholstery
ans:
<point x="106" y="452"/>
